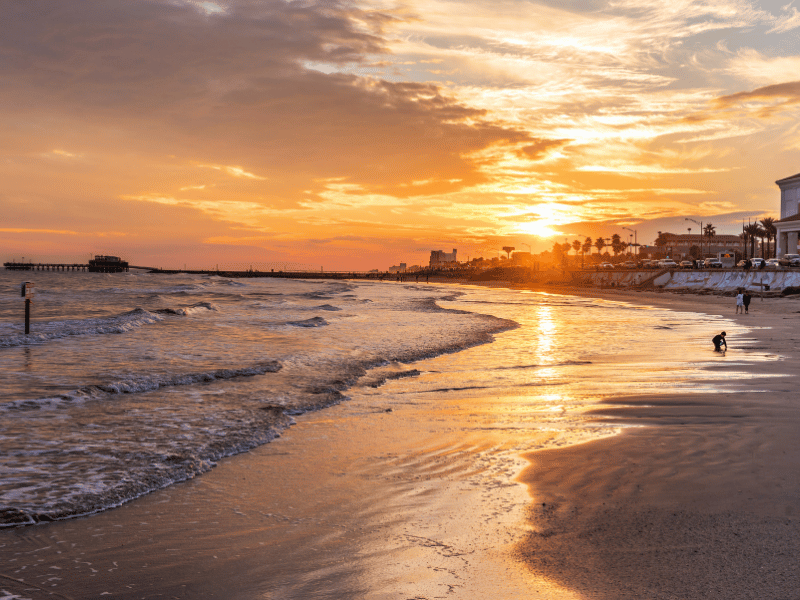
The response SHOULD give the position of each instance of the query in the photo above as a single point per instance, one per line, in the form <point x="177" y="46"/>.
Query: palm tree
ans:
<point x="587" y="247"/>
<point x="558" y="252"/>
<point x="617" y="245"/>
<point x="743" y="236"/>
<point x="709" y="231"/>
<point x="768" y="223"/>
<point x="663" y="242"/>
<point x="565" y="248"/>
<point x="751" y="232"/>
<point x="576" y="245"/>
<point x="762" y="235"/>
<point x="599" y="243"/>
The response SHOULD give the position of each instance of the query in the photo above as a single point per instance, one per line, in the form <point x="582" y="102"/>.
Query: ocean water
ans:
<point x="131" y="382"/>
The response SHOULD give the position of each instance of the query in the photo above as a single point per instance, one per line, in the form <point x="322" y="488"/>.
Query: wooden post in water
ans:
<point x="27" y="293"/>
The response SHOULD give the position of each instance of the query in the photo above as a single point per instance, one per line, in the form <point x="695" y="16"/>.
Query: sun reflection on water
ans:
<point x="546" y="330"/>
<point x="569" y="353"/>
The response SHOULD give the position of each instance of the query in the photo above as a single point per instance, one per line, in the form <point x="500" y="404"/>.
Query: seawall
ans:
<point x="708" y="280"/>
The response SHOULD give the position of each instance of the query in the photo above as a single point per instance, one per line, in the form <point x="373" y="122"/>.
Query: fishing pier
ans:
<point x="20" y="266"/>
<point x="99" y="264"/>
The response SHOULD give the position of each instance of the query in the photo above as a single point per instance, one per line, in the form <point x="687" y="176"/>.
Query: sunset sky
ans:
<point x="356" y="135"/>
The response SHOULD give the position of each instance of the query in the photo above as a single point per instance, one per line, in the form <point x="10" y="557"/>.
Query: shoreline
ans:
<point x="701" y="500"/>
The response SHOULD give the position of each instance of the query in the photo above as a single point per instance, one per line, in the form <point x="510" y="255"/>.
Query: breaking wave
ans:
<point x="312" y="322"/>
<point x="138" y="384"/>
<point x="184" y="311"/>
<point x="53" y="330"/>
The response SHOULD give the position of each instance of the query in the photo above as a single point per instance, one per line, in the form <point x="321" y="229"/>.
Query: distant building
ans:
<point x="440" y="257"/>
<point x="788" y="226"/>
<point x="401" y="268"/>
<point x="522" y="258"/>
<point x="680" y="244"/>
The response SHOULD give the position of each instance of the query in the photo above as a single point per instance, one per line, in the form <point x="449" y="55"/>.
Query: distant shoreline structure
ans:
<point x="99" y="264"/>
<point x="700" y="281"/>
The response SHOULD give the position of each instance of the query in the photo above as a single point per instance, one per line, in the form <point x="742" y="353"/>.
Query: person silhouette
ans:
<point x="718" y="341"/>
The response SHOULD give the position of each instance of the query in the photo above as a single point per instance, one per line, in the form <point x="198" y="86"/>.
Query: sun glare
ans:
<point x="537" y="228"/>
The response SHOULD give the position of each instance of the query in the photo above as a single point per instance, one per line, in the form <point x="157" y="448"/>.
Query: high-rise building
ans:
<point x="440" y="257"/>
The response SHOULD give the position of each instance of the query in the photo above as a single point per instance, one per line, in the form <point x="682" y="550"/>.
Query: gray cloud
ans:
<point x="237" y="87"/>
<point x="788" y="91"/>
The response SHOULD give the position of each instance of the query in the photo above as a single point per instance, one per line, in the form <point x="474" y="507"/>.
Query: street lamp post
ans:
<point x="702" y="256"/>
<point x="688" y="243"/>
<point x="635" y="240"/>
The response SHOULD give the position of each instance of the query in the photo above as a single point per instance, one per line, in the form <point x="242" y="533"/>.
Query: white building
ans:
<point x="789" y="225"/>
<point x="439" y="256"/>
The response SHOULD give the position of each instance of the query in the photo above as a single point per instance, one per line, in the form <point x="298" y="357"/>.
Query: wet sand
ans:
<point x="701" y="503"/>
<point x="702" y="500"/>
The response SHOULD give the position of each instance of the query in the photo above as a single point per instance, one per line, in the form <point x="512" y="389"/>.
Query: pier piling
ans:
<point x="27" y="293"/>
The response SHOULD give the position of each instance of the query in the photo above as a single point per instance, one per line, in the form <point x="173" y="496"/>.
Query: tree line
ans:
<point x="561" y="251"/>
<point x="765" y="231"/>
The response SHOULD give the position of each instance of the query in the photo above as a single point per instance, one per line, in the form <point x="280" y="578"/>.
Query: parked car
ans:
<point x="606" y="266"/>
<point x="792" y="260"/>
<point x="758" y="263"/>
<point x="773" y="263"/>
<point x="629" y="265"/>
<point x="713" y="263"/>
<point x="668" y="263"/>
<point x="686" y="264"/>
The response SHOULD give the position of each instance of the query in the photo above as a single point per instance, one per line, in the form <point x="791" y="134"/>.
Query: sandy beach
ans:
<point x="700" y="501"/>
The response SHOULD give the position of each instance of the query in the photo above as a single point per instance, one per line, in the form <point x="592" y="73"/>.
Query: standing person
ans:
<point x="739" y="302"/>
<point x="746" y="299"/>
<point x="718" y="341"/>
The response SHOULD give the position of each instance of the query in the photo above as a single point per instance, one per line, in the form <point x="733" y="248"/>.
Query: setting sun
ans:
<point x="537" y="228"/>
